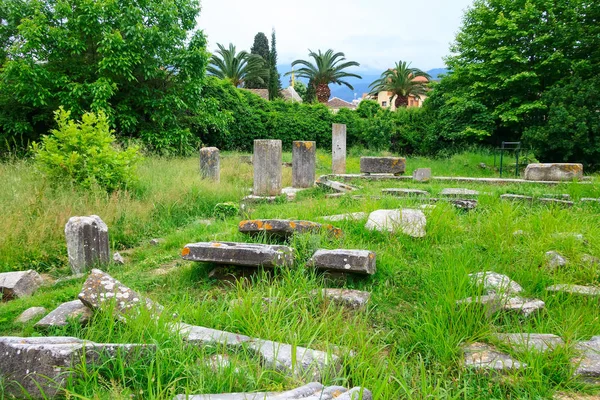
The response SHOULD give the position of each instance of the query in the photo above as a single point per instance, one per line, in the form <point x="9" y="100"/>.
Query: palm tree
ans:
<point x="328" y="68"/>
<point x="403" y="82"/>
<point x="237" y="67"/>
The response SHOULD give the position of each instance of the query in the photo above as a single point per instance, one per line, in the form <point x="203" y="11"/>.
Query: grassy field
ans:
<point x="407" y="341"/>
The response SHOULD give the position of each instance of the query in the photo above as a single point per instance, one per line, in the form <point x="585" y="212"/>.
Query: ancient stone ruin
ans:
<point x="87" y="243"/>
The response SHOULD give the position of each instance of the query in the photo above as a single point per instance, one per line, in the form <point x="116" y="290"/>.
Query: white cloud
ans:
<point x="375" y="33"/>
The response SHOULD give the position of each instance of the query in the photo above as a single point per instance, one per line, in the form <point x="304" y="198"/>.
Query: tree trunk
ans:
<point x="401" y="101"/>
<point x="323" y="92"/>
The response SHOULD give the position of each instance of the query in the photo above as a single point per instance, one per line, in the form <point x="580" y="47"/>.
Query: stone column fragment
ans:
<point x="304" y="161"/>
<point x="87" y="242"/>
<point x="210" y="163"/>
<point x="338" y="149"/>
<point x="267" y="167"/>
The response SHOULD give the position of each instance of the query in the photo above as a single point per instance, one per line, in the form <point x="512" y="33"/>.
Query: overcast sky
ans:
<point x="376" y="33"/>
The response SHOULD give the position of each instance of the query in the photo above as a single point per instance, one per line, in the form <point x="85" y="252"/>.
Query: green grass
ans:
<point x="407" y="341"/>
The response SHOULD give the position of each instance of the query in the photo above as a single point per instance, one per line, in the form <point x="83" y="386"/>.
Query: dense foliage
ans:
<point x="526" y="69"/>
<point x="236" y="67"/>
<point x="260" y="47"/>
<point x="402" y="81"/>
<point x="135" y="61"/>
<point x="274" y="77"/>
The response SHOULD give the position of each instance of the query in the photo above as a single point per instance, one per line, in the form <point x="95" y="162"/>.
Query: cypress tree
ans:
<point x="274" y="82"/>
<point x="260" y="48"/>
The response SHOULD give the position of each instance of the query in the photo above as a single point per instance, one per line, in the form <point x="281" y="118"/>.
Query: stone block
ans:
<point x="493" y="282"/>
<point x="557" y="202"/>
<point x="267" y="167"/>
<point x="504" y="302"/>
<point x="60" y="316"/>
<point x="30" y="313"/>
<point x="335" y="185"/>
<point x="405" y="192"/>
<point x="422" y="175"/>
<point x="482" y="356"/>
<point x="458" y="192"/>
<point x="338" y="148"/>
<point x="19" y="284"/>
<point x="541" y="342"/>
<point x="359" y="261"/>
<point x="517" y="197"/>
<point x="410" y="222"/>
<point x="285" y="228"/>
<point x="87" y="243"/>
<point x="242" y="254"/>
<point x="210" y="163"/>
<point x="347" y="297"/>
<point x="554" y="259"/>
<point x="588" y="363"/>
<point x="304" y="164"/>
<point x="383" y="165"/>
<point x="357" y="216"/>
<point x="575" y="289"/>
<point x="555" y="172"/>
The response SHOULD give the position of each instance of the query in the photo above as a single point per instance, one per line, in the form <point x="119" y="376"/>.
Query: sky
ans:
<point x="375" y="33"/>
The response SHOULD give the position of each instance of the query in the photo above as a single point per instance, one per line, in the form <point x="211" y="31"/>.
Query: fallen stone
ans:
<point x="382" y="165"/>
<point x="464" y="204"/>
<point x="575" y="289"/>
<point x="284" y="227"/>
<point x="493" y="282"/>
<point x="541" y="342"/>
<point x="357" y="216"/>
<point x="242" y="254"/>
<point x="87" y="242"/>
<point x="405" y="192"/>
<point x="359" y="261"/>
<point x="589" y="200"/>
<point x="564" y="203"/>
<point x="334" y="195"/>
<point x="156" y="242"/>
<point x="118" y="259"/>
<point x="40" y="366"/>
<point x="456" y="192"/>
<point x="30" y="313"/>
<point x="422" y="174"/>
<point x="362" y="197"/>
<point x="410" y="222"/>
<point x="351" y="298"/>
<point x="101" y="288"/>
<point x="482" y="356"/>
<point x="499" y="302"/>
<point x="335" y="185"/>
<point x="561" y="196"/>
<point x="589" y="260"/>
<point x="588" y="364"/>
<point x="72" y="310"/>
<point x="554" y="172"/>
<point x="311" y="364"/>
<point x="517" y="197"/>
<point x="555" y="260"/>
<point x="19" y="284"/>
<point x="311" y="391"/>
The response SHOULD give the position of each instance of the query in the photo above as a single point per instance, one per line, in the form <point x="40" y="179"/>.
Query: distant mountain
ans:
<point x="437" y="72"/>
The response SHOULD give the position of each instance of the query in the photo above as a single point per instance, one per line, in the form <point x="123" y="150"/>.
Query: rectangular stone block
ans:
<point x="210" y="163"/>
<point x="242" y="254"/>
<point x="74" y="310"/>
<point x="335" y="185"/>
<point x="554" y="172"/>
<point x="304" y="164"/>
<point x="422" y="174"/>
<point x="401" y="192"/>
<point x="285" y="227"/>
<point x="359" y="261"/>
<point x="338" y="149"/>
<point x="458" y="192"/>
<point x="18" y="284"/>
<point x="87" y="243"/>
<point x="267" y="167"/>
<point x="383" y="165"/>
<point x="563" y="203"/>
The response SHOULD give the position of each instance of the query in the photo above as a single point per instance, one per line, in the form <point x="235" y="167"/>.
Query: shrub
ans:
<point x="224" y="210"/>
<point x="83" y="153"/>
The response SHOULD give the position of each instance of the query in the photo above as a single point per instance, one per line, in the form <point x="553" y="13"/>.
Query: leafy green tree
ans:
<point x="402" y="81"/>
<point x="260" y="48"/>
<point x="300" y="88"/>
<point x="311" y="92"/>
<point x="274" y="77"/>
<point x="142" y="65"/>
<point x="237" y="67"/>
<point x="328" y="68"/>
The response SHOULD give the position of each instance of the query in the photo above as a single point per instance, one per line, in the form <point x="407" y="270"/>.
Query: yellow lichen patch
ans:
<point x="308" y="145"/>
<point x="298" y="144"/>
<point x="215" y="244"/>
<point x="292" y="224"/>
<point x="266" y="226"/>
<point x="371" y="256"/>
<point x="185" y="251"/>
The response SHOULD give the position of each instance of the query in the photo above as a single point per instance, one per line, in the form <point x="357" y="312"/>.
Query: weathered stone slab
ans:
<point x="563" y="203"/>
<point x="589" y="200"/>
<point x="71" y="310"/>
<point x="589" y="260"/>
<point x="284" y="227"/>
<point x="575" y="289"/>
<point x="405" y="192"/>
<point x="357" y="216"/>
<point x="589" y="362"/>
<point x="242" y="254"/>
<point x="18" y="284"/>
<point x="118" y="259"/>
<point x="303" y="362"/>
<point x="422" y="175"/>
<point x="338" y="148"/>
<point x="555" y="260"/>
<point x="482" y="356"/>
<point x="499" y="302"/>
<point x="517" y="197"/>
<point x="31" y="364"/>
<point x="383" y="165"/>
<point x="304" y="164"/>
<point x="541" y="342"/>
<point x="458" y="192"/>
<point x="334" y="185"/>
<point x="311" y="391"/>
<point x="101" y="288"/>
<point x="30" y="313"/>
<point x="463" y="204"/>
<point x="267" y="167"/>
<point x="560" y="196"/>
<point x="554" y="172"/>
<point x="493" y="282"/>
<point x="87" y="242"/>
<point x="359" y="261"/>
<point x="347" y="297"/>
<point x="210" y="163"/>
<point x="410" y="222"/>
<point x="334" y="195"/>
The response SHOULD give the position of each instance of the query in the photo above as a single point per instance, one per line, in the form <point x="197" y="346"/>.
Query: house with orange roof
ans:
<point x="385" y="101"/>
